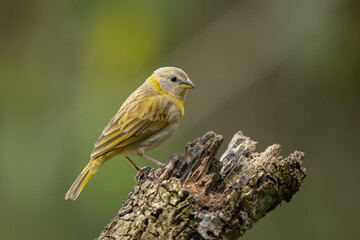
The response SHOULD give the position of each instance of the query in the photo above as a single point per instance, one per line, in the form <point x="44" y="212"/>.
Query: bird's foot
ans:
<point x="142" y="173"/>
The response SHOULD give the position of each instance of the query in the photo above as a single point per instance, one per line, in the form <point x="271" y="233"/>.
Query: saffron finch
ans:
<point x="147" y="118"/>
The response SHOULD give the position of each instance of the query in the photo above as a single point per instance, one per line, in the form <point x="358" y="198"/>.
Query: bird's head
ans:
<point x="173" y="81"/>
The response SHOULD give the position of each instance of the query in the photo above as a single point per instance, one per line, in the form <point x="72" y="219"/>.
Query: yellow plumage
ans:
<point x="146" y="119"/>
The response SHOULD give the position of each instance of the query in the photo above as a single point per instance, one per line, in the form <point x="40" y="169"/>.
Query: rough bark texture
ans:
<point x="196" y="196"/>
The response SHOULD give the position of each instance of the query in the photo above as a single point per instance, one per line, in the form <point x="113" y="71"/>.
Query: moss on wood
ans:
<point x="197" y="196"/>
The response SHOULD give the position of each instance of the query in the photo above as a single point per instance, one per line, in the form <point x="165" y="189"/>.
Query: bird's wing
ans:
<point x="134" y="122"/>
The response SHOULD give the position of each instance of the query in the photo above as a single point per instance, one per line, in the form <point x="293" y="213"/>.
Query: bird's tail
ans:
<point x="90" y="169"/>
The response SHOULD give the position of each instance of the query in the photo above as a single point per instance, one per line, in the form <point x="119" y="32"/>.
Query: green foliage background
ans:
<point x="281" y="71"/>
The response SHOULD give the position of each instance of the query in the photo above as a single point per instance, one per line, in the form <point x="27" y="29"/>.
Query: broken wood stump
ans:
<point x="197" y="196"/>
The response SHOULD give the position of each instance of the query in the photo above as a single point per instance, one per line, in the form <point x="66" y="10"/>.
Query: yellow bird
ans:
<point x="147" y="118"/>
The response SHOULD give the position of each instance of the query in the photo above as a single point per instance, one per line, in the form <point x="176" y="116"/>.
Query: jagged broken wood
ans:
<point x="197" y="196"/>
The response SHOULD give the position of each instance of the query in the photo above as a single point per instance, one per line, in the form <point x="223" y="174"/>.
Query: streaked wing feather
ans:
<point x="128" y="126"/>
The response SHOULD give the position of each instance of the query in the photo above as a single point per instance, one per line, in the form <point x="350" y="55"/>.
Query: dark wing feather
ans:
<point x="134" y="122"/>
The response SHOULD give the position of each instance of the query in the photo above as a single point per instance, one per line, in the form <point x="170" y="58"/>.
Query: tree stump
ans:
<point x="197" y="196"/>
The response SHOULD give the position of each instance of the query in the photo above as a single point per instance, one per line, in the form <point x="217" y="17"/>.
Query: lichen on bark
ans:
<point x="197" y="196"/>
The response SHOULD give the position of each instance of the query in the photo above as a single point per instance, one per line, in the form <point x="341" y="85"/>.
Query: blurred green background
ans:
<point x="282" y="71"/>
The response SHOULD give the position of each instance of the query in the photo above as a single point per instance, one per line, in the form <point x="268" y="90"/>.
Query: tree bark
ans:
<point x="197" y="196"/>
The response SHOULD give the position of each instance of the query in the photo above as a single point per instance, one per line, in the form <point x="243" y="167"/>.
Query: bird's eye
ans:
<point x="173" y="78"/>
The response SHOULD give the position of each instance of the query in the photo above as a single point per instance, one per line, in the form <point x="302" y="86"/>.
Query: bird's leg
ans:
<point x="160" y="164"/>
<point x="132" y="163"/>
<point x="139" y="170"/>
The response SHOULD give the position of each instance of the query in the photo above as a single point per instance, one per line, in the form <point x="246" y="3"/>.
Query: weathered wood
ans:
<point x="197" y="196"/>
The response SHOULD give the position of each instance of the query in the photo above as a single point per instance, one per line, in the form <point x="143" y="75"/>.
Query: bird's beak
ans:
<point x="187" y="84"/>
